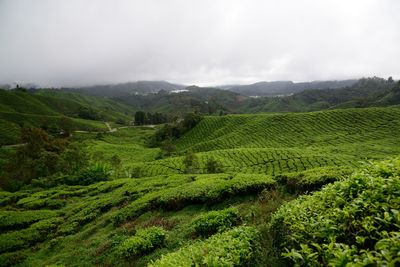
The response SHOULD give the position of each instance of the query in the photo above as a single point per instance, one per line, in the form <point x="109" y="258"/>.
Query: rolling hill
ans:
<point x="50" y="108"/>
<point x="288" y="142"/>
<point x="168" y="215"/>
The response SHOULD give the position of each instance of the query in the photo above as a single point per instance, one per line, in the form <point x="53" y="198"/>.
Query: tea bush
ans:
<point x="19" y="219"/>
<point x="10" y="241"/>
<point x="355" y="222"/>
<point x="142" y="242"/>
<point x="206" y="188"/>
<point x="215" y="221"/>
<point x="236" y="247"/>
<point x="314" y="179"/>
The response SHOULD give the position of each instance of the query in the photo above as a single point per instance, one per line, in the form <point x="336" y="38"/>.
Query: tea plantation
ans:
<point x="284" y="189"/>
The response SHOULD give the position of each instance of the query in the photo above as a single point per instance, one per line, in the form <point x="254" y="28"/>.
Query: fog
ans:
<point x="207" y="42"/>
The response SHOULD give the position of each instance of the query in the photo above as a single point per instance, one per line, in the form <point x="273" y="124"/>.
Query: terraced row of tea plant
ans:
<point x="108" y="214"/>
<point x="253" y="160"/>
<point x="184" y="220"/>
<point x="314" y="129"/>
<point x="172" y="214"/>
<point x="283" y="143"/>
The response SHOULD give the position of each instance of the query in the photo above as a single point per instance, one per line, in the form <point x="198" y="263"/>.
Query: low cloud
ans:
<point x="72" y="42"/>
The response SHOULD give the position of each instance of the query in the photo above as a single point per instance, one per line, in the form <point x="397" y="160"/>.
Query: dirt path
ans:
<point x="111" y="130"/>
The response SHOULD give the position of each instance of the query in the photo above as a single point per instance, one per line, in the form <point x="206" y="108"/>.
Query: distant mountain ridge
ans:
<point x="273" y="96"/>
<point x="262" y="88"/>
<point x="131" y="88"/>
<point x="276" y="88"/>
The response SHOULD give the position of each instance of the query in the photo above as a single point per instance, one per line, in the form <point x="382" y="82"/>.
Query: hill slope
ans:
<point x="50" y="108"/>
<point x="287" y="142"/>
<point x="168" y="216"/>
<point x="367" y="92"/>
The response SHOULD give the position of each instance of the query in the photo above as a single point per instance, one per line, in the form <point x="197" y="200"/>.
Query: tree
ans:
<point x="140" y="118"/>
<point x="116" y="163"/>
<point x="66" y="125"/>
<point x="191" y="120"/>
<point x="168" y="147"/>
<point x="213" y="166"/>
<point x="191" y="163"/>
<point x="41" y="156"/>
<point x="88" y="114"/>
<point x="34" y="139"/>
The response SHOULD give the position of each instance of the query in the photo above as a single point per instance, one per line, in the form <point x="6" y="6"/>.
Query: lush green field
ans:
<point x="248" y="213"/>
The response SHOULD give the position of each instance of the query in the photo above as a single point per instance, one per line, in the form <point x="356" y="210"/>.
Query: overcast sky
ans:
<point x="204" y="42"/>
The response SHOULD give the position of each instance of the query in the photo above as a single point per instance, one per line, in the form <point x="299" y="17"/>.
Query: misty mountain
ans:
<point x="281" y="96"/>
<point x="206" y="100"/>
<point x="131" y="88"/>
<point x="285" y="87"/>
<point x="365" y="92"/>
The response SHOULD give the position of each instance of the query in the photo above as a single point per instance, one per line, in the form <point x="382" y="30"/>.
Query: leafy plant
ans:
<point x="215" y="221"/>
<point x="236" y="247"/>
<point x="144" y="241"/>
<point x="351" y="222"/>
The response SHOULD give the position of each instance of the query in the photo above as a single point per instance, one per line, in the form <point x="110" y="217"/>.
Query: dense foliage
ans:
<point x="354" y="222"/>
<point x="176" y="129"/>
<point x="144" y="118"/>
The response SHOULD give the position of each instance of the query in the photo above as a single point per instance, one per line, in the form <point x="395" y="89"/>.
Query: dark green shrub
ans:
<point x="142" y="242"/>
<point x="213" y="166"/>
<point x="175" y="130"/>
<point x="94" y="174"/>
<point x="215" y="221"/>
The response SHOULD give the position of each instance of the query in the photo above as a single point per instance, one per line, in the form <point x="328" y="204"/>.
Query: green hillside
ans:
<point x="56" y="102"/>
<point x="288" y="142"/>
<point x="50" y="108"/>
<point x="155" y="211"/>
